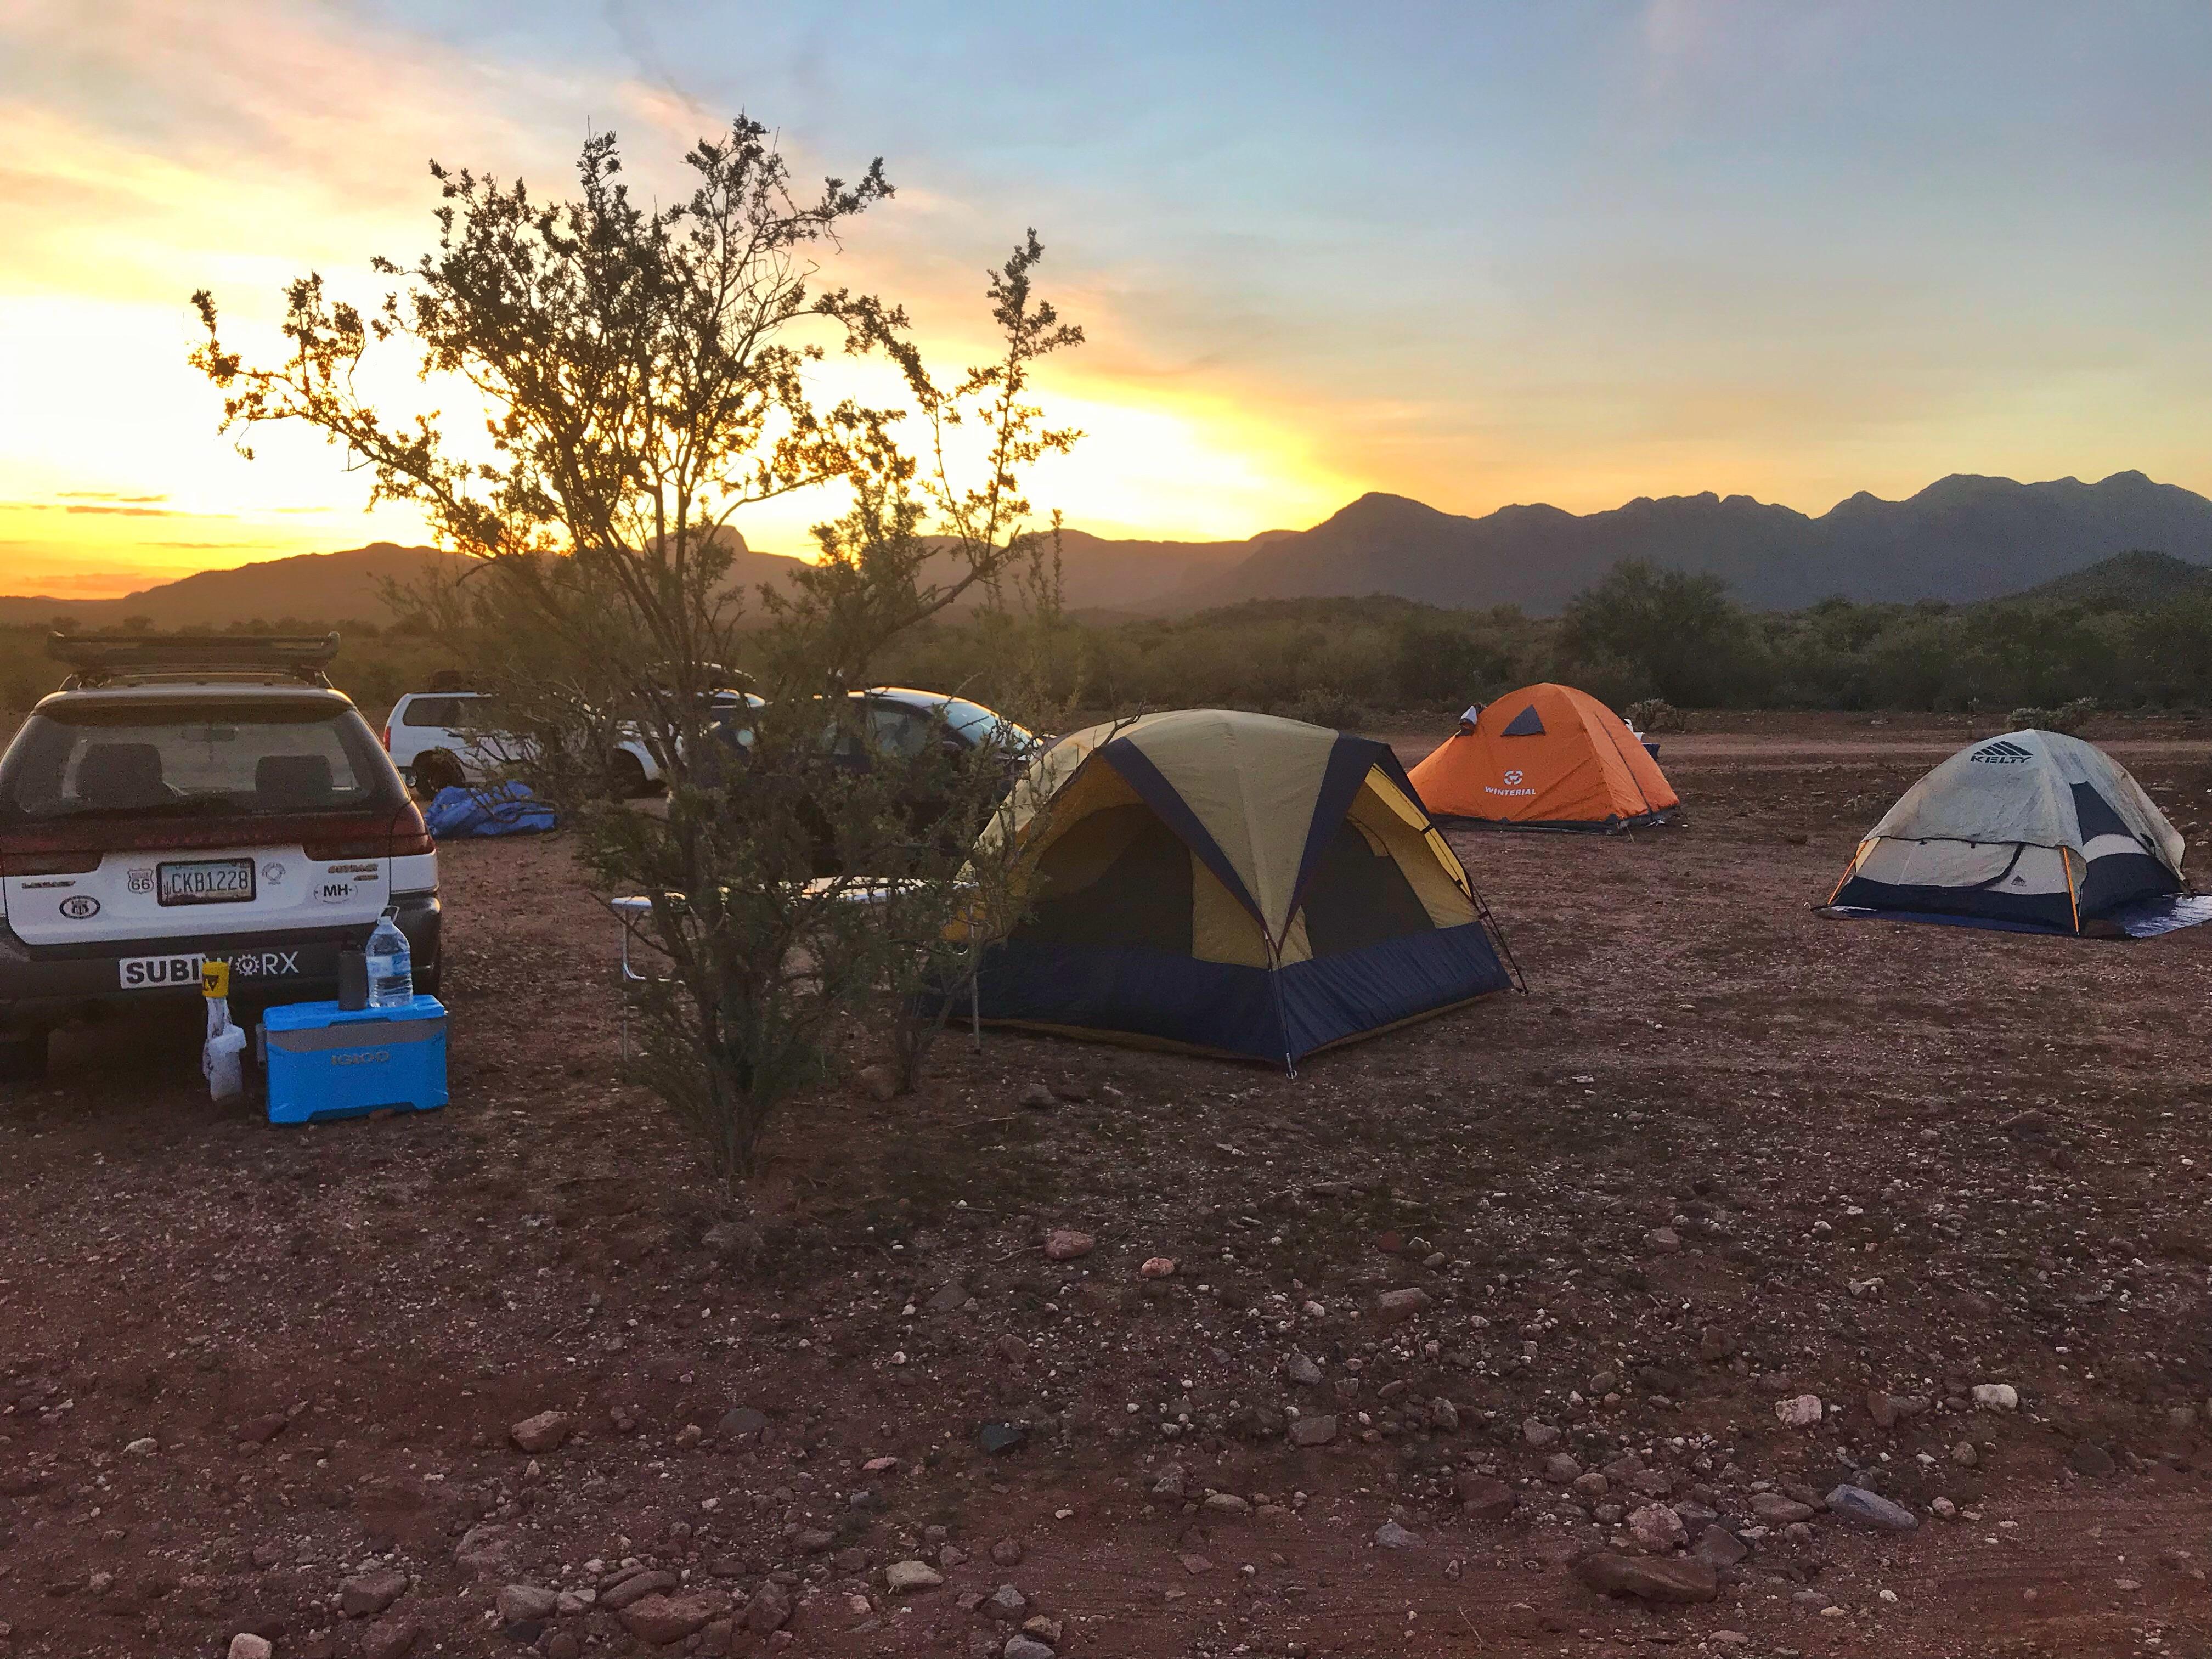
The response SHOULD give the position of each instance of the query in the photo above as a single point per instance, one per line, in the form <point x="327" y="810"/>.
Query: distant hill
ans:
<point x="1099" y="575"/>
<point x="2126" y="581"/>
<point x="1962" y="539"/>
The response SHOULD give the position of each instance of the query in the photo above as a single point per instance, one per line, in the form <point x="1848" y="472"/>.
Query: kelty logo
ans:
<point x="2001" y="753"/>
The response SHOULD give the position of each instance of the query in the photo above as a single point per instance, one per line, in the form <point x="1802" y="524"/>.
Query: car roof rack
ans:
<point x="98" y="660"/>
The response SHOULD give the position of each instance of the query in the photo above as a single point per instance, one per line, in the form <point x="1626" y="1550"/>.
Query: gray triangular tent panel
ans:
<point x="1526" y="724"/>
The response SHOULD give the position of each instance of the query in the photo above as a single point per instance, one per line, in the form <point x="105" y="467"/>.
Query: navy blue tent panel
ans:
<point x="1526" y="724"/>
<point x="2039" y="911"/>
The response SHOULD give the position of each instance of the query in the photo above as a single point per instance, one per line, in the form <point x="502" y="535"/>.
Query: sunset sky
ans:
<point x="1555" y="250"/>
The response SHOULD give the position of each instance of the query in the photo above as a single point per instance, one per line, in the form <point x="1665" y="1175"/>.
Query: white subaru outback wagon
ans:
<point x="181" y="799"/>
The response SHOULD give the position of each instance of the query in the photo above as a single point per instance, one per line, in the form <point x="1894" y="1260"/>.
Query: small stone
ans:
<point x="1158" y="1266"/>
<point x="1775" y="1509"/>
<point x="545" y="1432"/>
<point x="619" y="1595"/>
<point x="1037" y="1097"/>
<point x="1302" y="1371"/>
<point x="1715" y="1344"/>
<point x="1394" y="1307"/>
<point x="1392" y="1536"/>
<point x="768" y="1611"/>
<point x="1871" y="1509"/>
<point x="247" y="1645"/>
<point x="391" y="1638"/>
<point x="526" y="1604"/>
<point x="742" y="1423"/>
<point x="813" y="1540"/>
<point x="877" y="1082"/>
<point x="2091" y="1459"/>
<point x="1540" y="1436"/>
<point x="1227" y="1503"/>
<point x="1591" y="1487"/>
<point x="1013" y="1349"/>
<point x="144" y="1446"/>
<point x="258" y="1430"/>
<point x="910" y="1578"/>
<point x="948" y="1299"/>
<point x="1966" y="1455"/>
<point x="2180" y="1417"/>
<point x="367" y="1594"/>
<point x="1006" y="1602"/>
<point x="1443" y="1416"/>
<point x="1664" y="1240"/>
<point x="1008" y="1552"/>
<point x="1318" y="1430"/>
<point x="1681" y="1580"/>
<point x="1172" y="1483"/>
<point x="1945" y="1508"/>
<point x="1801" y="1410"/>
<point x="662" y="1619"/>
<point x="1562" y="1470"/>
<point x="1658" y="1528"/>
<point x="950" y="1556"/>
<point x="998" y="1438"/>
<point x="1194" y="1564"/>
<point x="1996" y="1397"/>
<point x="1484" y="1496"/>
<point x="1066" y="1244"/>
<point x="1719" y="1548"/>
<point x="1025" y="1647"/>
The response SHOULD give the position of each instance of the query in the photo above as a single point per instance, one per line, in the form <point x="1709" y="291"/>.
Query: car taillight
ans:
<point x="13" y="863"/>
<point x="384" y="736"/>
<point x="402" y="835"/>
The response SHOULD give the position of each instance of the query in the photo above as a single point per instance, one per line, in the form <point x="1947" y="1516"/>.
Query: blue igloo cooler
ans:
<point x="324" y="1062"/>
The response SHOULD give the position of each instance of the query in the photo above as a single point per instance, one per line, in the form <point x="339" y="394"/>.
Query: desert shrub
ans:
<point x="2068" y="717"/>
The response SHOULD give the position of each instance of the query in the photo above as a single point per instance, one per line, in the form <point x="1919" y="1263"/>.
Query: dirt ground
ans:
<point x="1724" y="1154"/>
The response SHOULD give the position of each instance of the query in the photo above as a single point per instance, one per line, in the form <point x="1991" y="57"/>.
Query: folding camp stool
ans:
<point x="634" y="914"/>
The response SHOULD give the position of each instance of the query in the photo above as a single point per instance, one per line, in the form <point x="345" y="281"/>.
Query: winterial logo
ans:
<point x="1512" y="777"/>
<point x="2001" y="753"/>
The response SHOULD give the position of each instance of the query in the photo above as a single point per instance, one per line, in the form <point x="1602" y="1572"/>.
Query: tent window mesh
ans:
<point x="1359" y="897"/>
<point x="1118" y="877"/>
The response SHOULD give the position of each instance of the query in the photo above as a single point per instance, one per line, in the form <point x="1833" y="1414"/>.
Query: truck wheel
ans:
<point x="22" y="1056"/>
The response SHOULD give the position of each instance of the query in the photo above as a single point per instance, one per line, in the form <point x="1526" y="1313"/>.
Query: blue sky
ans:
<point x="1478" y="254"/>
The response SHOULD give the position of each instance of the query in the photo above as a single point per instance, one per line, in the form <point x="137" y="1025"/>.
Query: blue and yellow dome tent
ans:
<point x="1232" y="883"/>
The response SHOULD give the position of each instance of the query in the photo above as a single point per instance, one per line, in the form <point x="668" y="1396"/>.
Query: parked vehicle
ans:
<point x="183" y="799"/>
<point x="439" y="739"/>
<point x="900" y="723"/>
<point x="633" y="770"/>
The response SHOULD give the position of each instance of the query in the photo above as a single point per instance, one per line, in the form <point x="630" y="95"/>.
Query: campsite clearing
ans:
<point x="1727" y="1156"/>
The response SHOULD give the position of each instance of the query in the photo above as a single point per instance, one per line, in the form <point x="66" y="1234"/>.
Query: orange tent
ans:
<point x="1546" y="756"/>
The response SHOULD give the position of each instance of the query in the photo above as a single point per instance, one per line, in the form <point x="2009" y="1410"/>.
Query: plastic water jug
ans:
<point x="391" y="969"/>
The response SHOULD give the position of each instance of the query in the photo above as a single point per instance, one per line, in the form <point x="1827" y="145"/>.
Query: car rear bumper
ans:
<point x="44" y="985"/>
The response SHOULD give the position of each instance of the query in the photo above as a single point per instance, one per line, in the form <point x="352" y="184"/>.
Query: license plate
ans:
<point x="206" y="881"/>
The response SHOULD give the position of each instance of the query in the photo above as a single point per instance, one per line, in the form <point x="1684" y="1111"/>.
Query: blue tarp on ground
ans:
<point x="502" y="810"/>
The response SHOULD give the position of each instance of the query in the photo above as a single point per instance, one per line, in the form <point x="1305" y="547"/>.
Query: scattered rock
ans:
<point x="1066" y="1244"/>
<point x="662" y="1620"/>
<point x="526" y="1604"/>
<point x="997" y="1438"/>
<point x="1302" y="1371"/>
<point x="1006" y="1602"/>
<point x="1227" y="1503"/>
<point x="1158" y="1266"/>
<point x="1996" y="1397"/>
<point x="258" y="1430"/>
<point x="877" y="1082"/>
<point x="1172" y="1484"/>
<point x="1484" y="1496"/>
<point x="247" y="1645"/>
<point x="1966" y="1455"/>
<point x="1659" y="1529"/>
<point x="768" y="1611"/>
<point x="547" y="1431"/>
<point x="1025" y="1647"/>
<point x="1715" y="1344"/>
<point x="1008" y="1552"/>
<point x="2091" y="1459"/>
<point x="948" y="1299"/>
<point x="910" y="1578"/>
<point x="1664" y="1240"/>
<point x="1775" y="1509"/>
<point x="1394" y="1307"/>
<point x="391" y="1638"/>
<point x="1801" y="1410"/>
<point x="1443" y="1416"/>
<point x="1313" y="1431"/>
<point x="743" y="1423"/>
<point x="813" y="1540"/>
<point x="1561" y="1470"/>
<point x="1677" y="1579"/>
<point x="636" y="1588"/>
<point x="1870" y="1509"/>
<point x="144" y="1446"/>
<point x="1194" y="1564"/>
<point x="1013" y="1350"/>
<point x="489" y="1549"/>
<point x="367" y="1594"/>
<point x="1037" y="1097"/>
<point x="1392" y="1536"/>
<point x="1592" y="1485"/>
<point x="1540" y="1436"/>
<point x="1719" y="1548"/>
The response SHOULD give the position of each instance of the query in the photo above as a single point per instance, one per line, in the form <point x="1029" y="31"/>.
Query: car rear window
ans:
<point x="451" y="713"/>
<point x="260" y="757"/>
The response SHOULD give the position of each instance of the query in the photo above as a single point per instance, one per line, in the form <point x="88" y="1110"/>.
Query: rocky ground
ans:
<point x="1757" y="1283"/>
